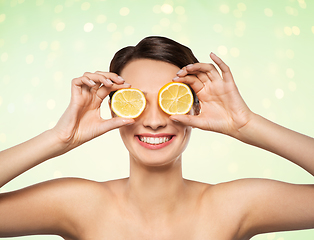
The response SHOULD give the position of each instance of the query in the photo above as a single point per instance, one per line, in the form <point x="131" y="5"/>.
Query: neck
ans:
<point x="156" y="190"/>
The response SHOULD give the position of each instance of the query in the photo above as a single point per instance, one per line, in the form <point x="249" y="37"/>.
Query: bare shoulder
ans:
<point x="261" y="205"/>
<point x="61" y="205"/>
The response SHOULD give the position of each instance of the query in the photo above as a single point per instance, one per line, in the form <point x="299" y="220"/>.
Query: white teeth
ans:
<point x="154" y="141"/>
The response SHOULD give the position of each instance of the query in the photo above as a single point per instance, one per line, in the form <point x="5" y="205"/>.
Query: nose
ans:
<point x="153" y="117"/>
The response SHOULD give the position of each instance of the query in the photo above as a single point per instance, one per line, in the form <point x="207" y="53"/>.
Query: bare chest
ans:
<point x="196" y="226"/>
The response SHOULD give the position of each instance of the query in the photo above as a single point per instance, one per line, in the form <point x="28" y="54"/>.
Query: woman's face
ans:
<point x="154" y="139"/>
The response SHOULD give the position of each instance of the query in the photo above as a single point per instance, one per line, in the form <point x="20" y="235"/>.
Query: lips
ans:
<point x="155" y="141"/>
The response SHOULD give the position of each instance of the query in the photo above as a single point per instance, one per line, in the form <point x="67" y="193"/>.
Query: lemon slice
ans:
<point x="128" y="102"/>
<point x="175" y="98"/>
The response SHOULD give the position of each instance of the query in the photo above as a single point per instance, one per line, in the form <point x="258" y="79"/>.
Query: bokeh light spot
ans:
<point x="237" y="13"/>
<point x="24" y="38"/>
<point x="266" y="103"/>
<point x="124" y="11"/>
<point x="35" y="81"/>
<point x="296" y="30"/>
<point x="58" y="76"/>
<point x="292" y="86"/>
<point x="4" y="57"/>
<point x="58" y="8"/>
<point x="241" y="6"/>
<point x="291" y="11"/>
<point x="55" y="45"/>
<point x="180" y="10"/>
<point x="241" y="25"/>
<point x="268" y="12"/>
<point x="302" y="4"/>
<point x="28" y="99"/>
<point x="290" y="53"/>
<point x="39" y="2"/>
<point x="88" y="27"/>
<point x="3" y="138"/>
<point x="43" y="45"/>
<point x="290" y="73"/>
<point x="312" y="29"/>
<point x="111" y="27"/>
<point x="51" y="104"/>
<point x="224" y="8"/>
<point x="60" y="26"/>
<point x="101" y="18"/>
<point x="279" y="93"/>
<point x="20" y="1"/>
<point x="2" y="17"/>
<point x="288" y="31"/>
<point x="222" y="50"/>
<point x="85" y="6"/>
<point x="29" y="59"/>
<point x="235" y="52"/>
<point x="166" y="8"/>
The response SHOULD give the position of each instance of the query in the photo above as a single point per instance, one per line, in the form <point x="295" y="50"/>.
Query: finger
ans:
<point x="114" y="123"/>
<point x="195" y="83"/>
<point x="225" y="70"/>
<point x="204" y="68"/>
<point x="98" y="78"/>
<point x="103" y="91"/>
<point x="79" y="82"/>
<point x="188" y="120"/>
<point x="112" y="76"/>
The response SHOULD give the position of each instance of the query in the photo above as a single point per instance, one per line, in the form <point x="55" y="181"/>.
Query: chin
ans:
<point x="157" y="161"/>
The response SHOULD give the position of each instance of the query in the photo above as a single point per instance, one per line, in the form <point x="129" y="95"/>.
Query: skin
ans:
<point x="156" y="202"/>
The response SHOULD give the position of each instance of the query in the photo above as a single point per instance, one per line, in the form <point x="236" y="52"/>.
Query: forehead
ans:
<point x="148" y="75"/>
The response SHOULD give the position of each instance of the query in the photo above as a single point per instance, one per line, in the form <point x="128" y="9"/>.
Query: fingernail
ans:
<point x="180" y="71"/>
<point x="121" y="78"/>
<point x="109" y="81"/>
<point x="92" y="82"/>
<point x="175" y="120"/>
<point x="125" y="83"/>
<point x="190" y="65"/>
<point x="175" y="78"/>
<point x="213" y="54"/>
<point x="128" y="122"/>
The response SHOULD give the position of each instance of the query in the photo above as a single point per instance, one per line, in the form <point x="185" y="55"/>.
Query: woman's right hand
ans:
<point x="81" y="121"/>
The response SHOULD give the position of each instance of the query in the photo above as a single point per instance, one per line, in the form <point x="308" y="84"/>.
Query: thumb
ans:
<point x="188" y="120"/>
<point x="114" y="123"/>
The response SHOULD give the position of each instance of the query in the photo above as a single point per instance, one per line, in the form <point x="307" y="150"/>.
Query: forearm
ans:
<point x="284" y="142"/>
<point x="18" y="159"/>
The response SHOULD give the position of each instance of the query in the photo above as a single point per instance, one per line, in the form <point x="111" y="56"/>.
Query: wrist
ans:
<point x="247" y="133"/>
<point x="58" y="146"/>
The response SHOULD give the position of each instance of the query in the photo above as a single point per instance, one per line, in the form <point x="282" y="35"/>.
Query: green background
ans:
<point x="267" y="44"/>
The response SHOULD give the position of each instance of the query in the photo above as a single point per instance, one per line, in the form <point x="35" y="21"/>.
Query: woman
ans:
<point x="155" y="201"/>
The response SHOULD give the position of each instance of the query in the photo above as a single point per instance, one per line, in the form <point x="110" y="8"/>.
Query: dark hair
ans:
<point x="155" y="48"/>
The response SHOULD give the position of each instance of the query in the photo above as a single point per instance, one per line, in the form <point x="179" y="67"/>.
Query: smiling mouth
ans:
<point x="154" y="140"/>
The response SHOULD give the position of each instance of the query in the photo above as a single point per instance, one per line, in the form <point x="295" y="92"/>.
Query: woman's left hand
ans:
<point x="222" y="107"/>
